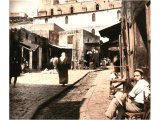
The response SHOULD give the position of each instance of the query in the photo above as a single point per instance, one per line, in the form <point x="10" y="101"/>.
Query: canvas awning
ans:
<point x="90" y="44"/>
<point x="29" y="45"/>
<point x="111" y="32"/>
<point x="113" y="48"/>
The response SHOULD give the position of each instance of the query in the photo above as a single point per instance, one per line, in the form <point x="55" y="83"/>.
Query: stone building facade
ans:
<point x="71" y="15"/>
<point x="43" y="29"/>
<point x="59" y="21"/>
<point x="75" y="43"/>
<point x="33" y="48"/>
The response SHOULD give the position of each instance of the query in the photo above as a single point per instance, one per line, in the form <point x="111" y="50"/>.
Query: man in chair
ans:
<point x="133" y="101"/>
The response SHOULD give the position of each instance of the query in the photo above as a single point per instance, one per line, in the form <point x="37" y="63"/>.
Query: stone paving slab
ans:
<point x="33" y="89"/>
<point x="96" y="102"/>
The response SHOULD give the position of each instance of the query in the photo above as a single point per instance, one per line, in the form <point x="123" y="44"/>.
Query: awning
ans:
<point x="113" y="48"/>
<point x="60" y="47"/>
<point x="29" y="45"/>
<point x="111" y="32"/>
<point x="90" y="44"/>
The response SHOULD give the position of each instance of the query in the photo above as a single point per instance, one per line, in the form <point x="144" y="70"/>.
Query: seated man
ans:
<point x="133" y="102"/>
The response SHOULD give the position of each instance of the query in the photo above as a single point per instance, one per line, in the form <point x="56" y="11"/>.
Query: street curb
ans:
<point x="58" y="94"/>
<point x="55" y="96"/>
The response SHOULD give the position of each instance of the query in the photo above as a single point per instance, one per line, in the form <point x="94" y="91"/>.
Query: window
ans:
<point x="51" y="11"/>
<point x="46" y="20"/>
<point x="57" y="42"/>
<point x="26" y="36"/>
<point x="42" y="13"/>
<point x="50" y="51"/>
<point x="93" y="17"/>
<point x="66" y="20"/>
<point x="70" y="39"/>
<point x="54" y="2"/>
<point x="45" y="1"/>
<point x="84" y="9"/>
<point x="93" y="31"/>
<point x="97" y="7"/>
<point x="59" y="11"/>
<point x="71" y="9"/>
<point x="36" y="40"/>
<point x="118" y="14"/>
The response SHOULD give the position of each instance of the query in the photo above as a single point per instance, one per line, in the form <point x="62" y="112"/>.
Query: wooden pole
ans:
<point x="120" y="51"/>
<point x="147" y="9"/>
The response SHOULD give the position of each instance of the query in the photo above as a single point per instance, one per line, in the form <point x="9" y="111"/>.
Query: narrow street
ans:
<point x="88" y="99"/>
<point x="33" y="89"/>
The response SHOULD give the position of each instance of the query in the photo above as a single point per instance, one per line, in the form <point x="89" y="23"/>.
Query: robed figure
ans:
<point x="62" y="68"/>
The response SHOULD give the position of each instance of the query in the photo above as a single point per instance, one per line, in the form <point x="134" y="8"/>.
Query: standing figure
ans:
<point x="96" y="58"/>
<point x="116" y="63"/>
<point x="24" y="65"/>
<point x="15" y="67"/>
<point x="91" y="63"/>
<point x="62" y="68"/>
<point x="53" y="62"/>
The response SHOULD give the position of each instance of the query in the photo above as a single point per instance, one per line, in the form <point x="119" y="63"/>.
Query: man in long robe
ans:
<point x="62" y="68"/>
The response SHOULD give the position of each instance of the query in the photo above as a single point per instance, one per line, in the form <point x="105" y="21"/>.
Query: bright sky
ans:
<point x="27" y="6"/>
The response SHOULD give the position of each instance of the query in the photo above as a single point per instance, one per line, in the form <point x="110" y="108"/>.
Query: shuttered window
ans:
<point x="70" y="39"/>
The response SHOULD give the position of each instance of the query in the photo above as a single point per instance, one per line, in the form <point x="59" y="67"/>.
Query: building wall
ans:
<point x="20" y="14"/>
<point x="78" y="47"/>
<point x="32" y="38"/>
<point x="103" y="19"/>
<point x="80" y="19"/>
<point x="84" y="6"/>
<point x="43" y="29"/>
<point x="37" y="60"/>
<point x="77" y="44"/>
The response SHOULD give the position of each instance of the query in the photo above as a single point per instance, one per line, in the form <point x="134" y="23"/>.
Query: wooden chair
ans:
<point x="122" y="85"/>
<point x="115" y="85"/>
<point x="144" y="115"/>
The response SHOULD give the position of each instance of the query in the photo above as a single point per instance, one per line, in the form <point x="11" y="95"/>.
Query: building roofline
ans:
<point x="50" y="16"/>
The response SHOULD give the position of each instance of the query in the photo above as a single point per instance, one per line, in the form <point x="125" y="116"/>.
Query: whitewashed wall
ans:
<point x="84" y="20"/>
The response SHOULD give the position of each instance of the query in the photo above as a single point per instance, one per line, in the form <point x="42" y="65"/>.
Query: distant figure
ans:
<point x="91" y="64"/>
<point x="81" y="64"/>
<point x="62" y="68"/>
<point x="72" y="65"/>
<point x="108" y="61"/>
<point x="116" y="63"/>
<point x="104" y="62"/>
<point x="54" y="62"/>
<point x="15" y="67"/>
<point x="24" y="65"/>
<point x="96" y="58"/>
<point x="88" y="57"/>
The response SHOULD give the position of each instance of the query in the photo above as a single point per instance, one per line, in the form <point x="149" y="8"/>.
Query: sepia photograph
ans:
<point x="80" y="59"/>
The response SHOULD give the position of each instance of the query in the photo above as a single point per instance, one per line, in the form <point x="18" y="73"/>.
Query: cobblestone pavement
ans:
<point x="87" y="100"/>
<point x="67" y="105"/>
<point x="32" y="89"/>
<point x="97" y="98"/>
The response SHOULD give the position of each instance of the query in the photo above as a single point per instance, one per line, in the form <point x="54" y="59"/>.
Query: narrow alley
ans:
<point x="88" y="99"/>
